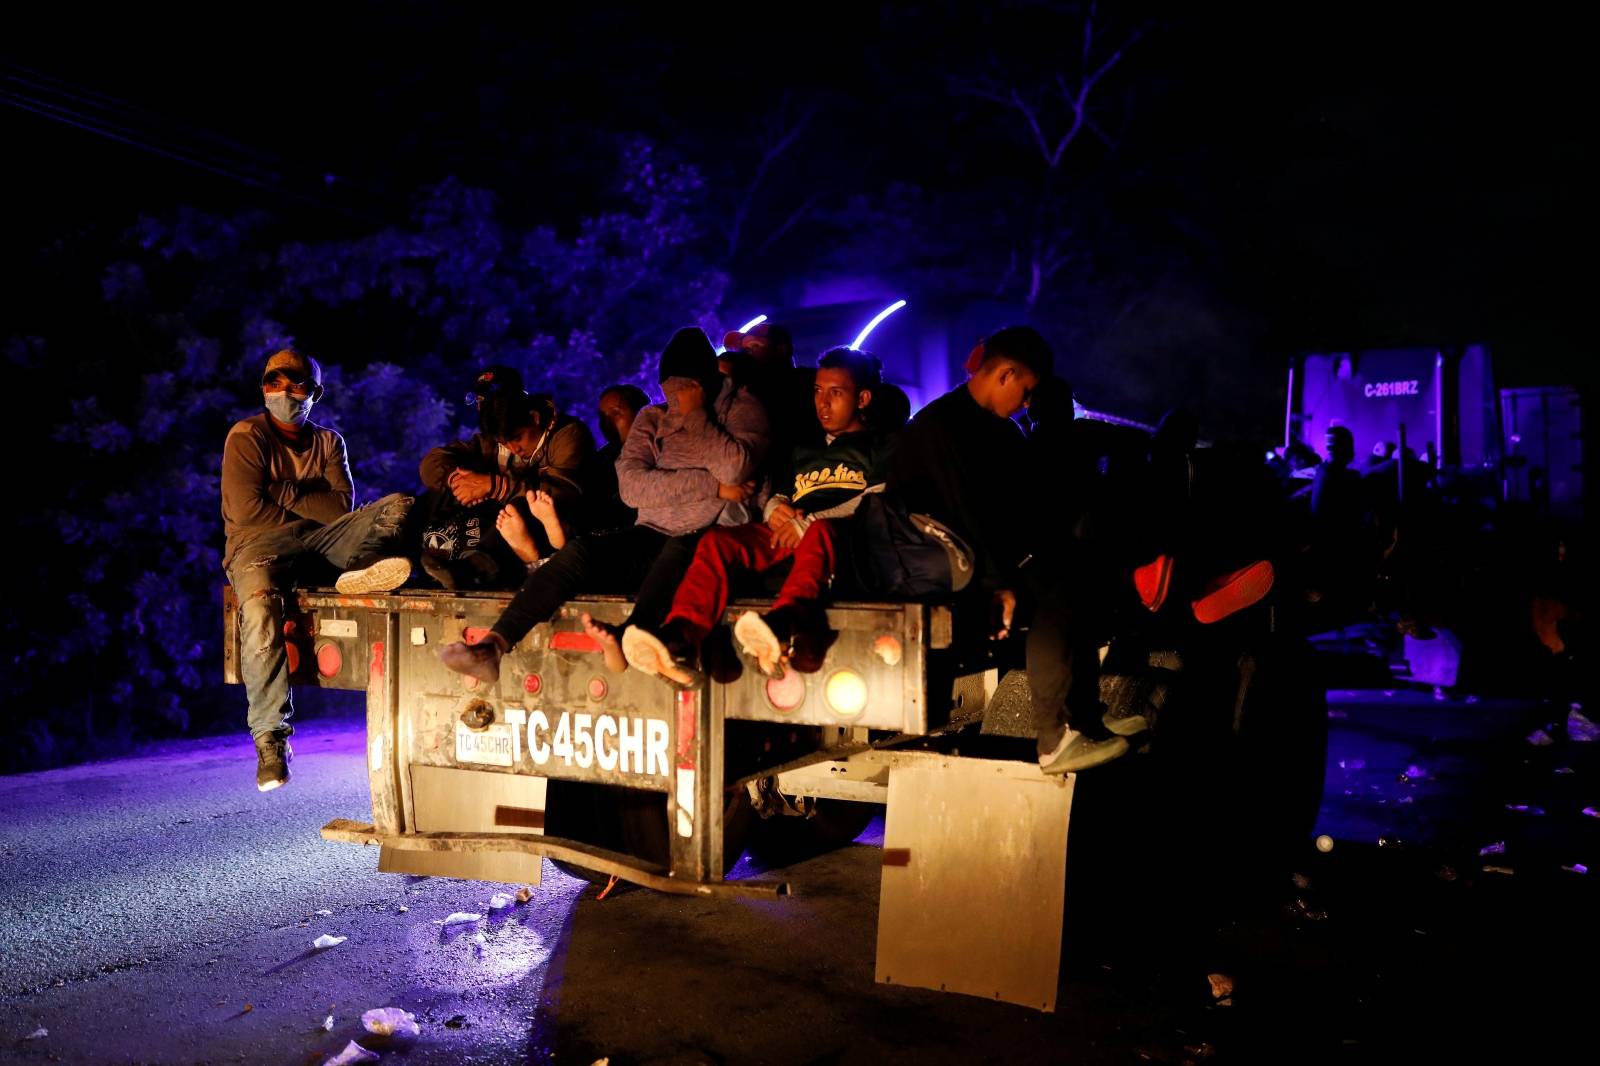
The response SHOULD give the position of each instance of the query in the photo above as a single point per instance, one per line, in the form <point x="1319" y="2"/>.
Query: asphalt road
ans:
<point x="159" y="909"/>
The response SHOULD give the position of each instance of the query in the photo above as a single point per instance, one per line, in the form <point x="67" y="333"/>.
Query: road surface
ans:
<point x="158" y="909"/>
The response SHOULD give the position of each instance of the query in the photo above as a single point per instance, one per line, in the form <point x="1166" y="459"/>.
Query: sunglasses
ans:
<point x="282" y="378"/>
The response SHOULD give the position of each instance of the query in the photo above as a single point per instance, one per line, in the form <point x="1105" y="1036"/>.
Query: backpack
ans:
<point x="894" y="552"/>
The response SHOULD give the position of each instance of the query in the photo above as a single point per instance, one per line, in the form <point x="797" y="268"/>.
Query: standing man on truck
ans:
<point x="286" y="496"/>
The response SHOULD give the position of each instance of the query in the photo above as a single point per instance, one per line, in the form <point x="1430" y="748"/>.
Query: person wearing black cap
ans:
<point x="761" y="359"/>
<point x="286" y="495"/>
<point x="687" y="464"/>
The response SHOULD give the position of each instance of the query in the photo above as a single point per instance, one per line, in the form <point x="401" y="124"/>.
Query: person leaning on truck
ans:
<point x="286" y="496"/>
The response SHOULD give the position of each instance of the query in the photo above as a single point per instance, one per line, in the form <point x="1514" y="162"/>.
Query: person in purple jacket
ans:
<point x="688" y="464"/>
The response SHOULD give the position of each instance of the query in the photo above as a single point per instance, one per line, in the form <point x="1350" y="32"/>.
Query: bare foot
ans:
<point x="610" y="648"/>
<point x="510" y="525"/>
<point x="543" y="507"/>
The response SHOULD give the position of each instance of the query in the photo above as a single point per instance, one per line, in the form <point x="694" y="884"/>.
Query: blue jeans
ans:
<point x="262" y="574"/>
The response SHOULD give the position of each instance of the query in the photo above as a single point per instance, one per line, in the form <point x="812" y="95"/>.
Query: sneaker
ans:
<point x="385" y="575"/>
<point x="760" y="641"/>
<point x="1153" y="581"/>
<point x="272" y="759"/>
<point x="668" y="659"/>
<point x="480" y="660"/>
<point x="1079" y="752"/>
<point x="1122" y="696"/>
<point x="1232" y="593"/>
<point x="439" y="570"/>
<point x="810" y="637"/>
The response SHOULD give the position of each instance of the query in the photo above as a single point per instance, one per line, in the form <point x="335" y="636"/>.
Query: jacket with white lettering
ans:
<point x="830" y="477"/>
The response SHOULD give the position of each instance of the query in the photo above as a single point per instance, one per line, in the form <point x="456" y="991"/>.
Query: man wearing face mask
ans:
<point x="286" y="495"/>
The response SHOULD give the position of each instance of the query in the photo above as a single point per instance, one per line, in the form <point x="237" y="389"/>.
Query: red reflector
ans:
<point x="786" y="692"/>
<point x="329" y="660"/>
<point x="474" y="634"/>
<point x="574" y="642"/>
<point x="531" y="684"/>
<point x="597" y="688"/>
<point x="291" y="652"/>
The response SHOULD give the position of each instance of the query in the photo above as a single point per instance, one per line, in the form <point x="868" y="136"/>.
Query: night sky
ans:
<point x="1304" y="180"/>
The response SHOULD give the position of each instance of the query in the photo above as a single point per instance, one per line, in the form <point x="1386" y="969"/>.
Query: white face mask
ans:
<point x="286" y="407"/>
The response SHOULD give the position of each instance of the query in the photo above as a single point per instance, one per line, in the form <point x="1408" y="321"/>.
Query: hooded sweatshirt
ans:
<point x="673" y="463"/>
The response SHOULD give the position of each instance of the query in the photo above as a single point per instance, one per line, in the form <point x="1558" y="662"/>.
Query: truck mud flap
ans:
<point x="974" y="868"/>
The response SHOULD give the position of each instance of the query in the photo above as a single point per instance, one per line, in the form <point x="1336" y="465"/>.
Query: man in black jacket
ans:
<point x="965" y="463"/>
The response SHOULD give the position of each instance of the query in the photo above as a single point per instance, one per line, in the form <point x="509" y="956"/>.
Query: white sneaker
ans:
<point x="1078" y="752"/>
<point x="385" y="575"/>
<point x="649" y="654"/>
<point x="758" y="641"/>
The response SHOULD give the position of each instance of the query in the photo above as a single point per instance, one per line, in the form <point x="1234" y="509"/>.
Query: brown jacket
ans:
<point x="557" y="466"/>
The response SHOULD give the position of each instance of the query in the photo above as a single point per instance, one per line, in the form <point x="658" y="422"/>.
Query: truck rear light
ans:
<point x="575" y="642"/>
<point x="846" y="693"/>
<point x="291" y="645"/>
<point x="532" y="684"/>
<point x="597" y="688"/>
<point x="474" y="634"/>
<point x="787" y="692"/>
<point x="887" y="649"/>
<point x="329" y="660"/>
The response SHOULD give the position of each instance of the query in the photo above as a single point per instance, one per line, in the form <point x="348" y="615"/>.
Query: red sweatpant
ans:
<point x="727" y="550"/>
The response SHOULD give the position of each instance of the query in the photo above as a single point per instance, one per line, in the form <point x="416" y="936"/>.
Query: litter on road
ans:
<point x="353" y="1052"/>
<point x="390" y="1021"/>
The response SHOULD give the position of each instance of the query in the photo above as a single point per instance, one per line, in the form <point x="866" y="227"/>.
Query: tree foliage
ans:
<point x="122" y="635"/>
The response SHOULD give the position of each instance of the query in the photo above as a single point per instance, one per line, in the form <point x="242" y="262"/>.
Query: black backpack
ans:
<point x="897" y="553"/>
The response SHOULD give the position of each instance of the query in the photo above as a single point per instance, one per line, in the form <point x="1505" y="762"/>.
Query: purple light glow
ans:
<point x="861" y="337"/>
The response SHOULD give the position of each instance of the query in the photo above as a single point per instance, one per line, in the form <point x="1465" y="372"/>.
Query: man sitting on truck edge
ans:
<point x="523" y="445"/>
<point x="687" y="464"/>
<point x="286" y="496"/>
<point x="828" y="479"/>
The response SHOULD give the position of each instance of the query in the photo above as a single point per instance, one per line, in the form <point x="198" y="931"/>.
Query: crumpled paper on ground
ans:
<point x="500" y="901"/>
<point x="326" y="941"/>
<point x="353" y="1052"/>
<point x="1579" y="727"/>
<point x="391" y="1021"/>
<point x="459" y="917"/>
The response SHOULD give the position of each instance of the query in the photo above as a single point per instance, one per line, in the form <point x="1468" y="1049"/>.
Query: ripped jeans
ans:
<point x="262" y="573"/>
